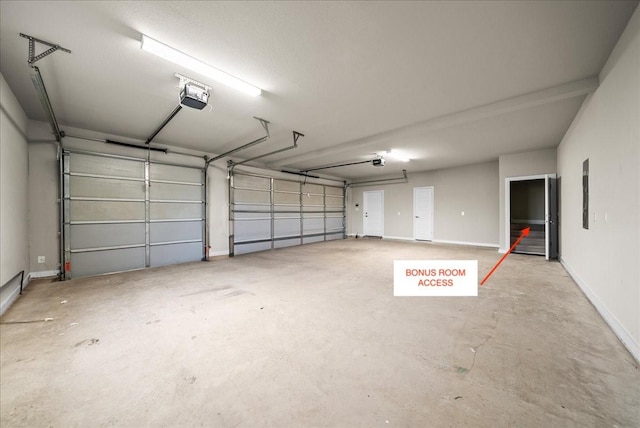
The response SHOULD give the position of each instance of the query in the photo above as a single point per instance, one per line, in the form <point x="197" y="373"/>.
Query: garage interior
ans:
<point x="202" y="202"/>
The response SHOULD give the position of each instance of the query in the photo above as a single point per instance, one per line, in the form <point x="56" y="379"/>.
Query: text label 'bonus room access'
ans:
<point x="435" y="278"/>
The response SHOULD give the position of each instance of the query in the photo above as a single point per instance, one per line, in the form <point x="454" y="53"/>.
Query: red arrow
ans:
<point x="525" y="232"/>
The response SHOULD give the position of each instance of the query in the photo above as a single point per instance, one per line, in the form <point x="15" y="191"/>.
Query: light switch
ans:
<point x="462" y="213"/>
<point x="398" y="212"/>
<point x="40" y="259"/>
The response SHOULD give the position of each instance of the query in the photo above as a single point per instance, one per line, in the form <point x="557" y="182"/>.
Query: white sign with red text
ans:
<point x="435" y="278"/>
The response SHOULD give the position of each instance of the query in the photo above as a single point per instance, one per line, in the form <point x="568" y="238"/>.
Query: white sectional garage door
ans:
<point x="269" y="212"/>
<point x="123" y="213"/>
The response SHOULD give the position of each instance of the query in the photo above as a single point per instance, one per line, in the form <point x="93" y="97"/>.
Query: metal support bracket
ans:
<point x="296" y="135"/>
<point x="265" y="125"/>
<point x="33" y="58"/>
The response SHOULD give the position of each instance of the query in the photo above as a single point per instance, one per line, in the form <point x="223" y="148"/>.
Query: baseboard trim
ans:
<point x="42" y="274"/>
<point x="397" y="238"/>
<point x="469" y="244"/>
<point x="14" y="294"/>
<point x="11" y="298"/>
<point x="618" y="329"/>
<point x="440" y="241"/>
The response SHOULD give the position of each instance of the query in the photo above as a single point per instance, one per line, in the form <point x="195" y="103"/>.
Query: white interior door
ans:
<point x="423" y="213"/>
<point x="373" y="215"/>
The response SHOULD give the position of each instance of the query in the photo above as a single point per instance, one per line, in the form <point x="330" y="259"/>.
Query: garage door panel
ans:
<point x="250" y="207"/>
<point x="285" y="210"/>
<point x="105" y="210"/>
<point x="171" y="211"/>
<point x="288" y="205"/>
<point x="335" y="224"/>
<point x="286" y="243"/>
<point x="286" y="198"/>
<point x="286" y="227"/>
<point x="251" y="248"/>
<point x="250" y="230"/>
<point x="251" y="215"/>
<point x="107" y="261"/>
<point x="162" y="255"/>
<point x="293" y="214"/>
<point x="288" y="186"/>
<point x="334" y="201"/>
<point x="312" y="239"/>
<point x="251" y="182"/>
<point x="175" y="231"/>
<point x="106" y="235"/>
<point x="182" y="174"/>
<point x="81" y="186"/>
<point x="312" y="188"/>
<point x="251" y="196"/>
<point x="334" y="191"/>
<point x="315" y="200"/>
<point x="102" y="165"/>
<point x="334" y="236"/>
<point x="313" y="225"/>
<point x="169" y="191"/>
<point x="93" y="222"/>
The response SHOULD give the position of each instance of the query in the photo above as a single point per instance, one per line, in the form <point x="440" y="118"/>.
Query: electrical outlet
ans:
<point x="40" y="259"/>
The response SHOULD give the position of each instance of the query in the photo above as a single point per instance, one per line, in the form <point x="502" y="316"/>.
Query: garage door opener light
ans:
<point x="184" y="60"/>
<point x="392" y="154"/>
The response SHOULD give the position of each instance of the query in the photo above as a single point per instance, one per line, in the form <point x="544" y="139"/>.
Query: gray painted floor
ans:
<point x="312" y="336"/>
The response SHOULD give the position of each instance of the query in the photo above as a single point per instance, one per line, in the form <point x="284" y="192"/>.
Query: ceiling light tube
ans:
<point x="193" y="64"/>
<point x="397" y="156"/>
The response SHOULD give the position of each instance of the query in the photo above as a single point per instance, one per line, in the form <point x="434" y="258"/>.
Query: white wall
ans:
<point x="14" y="167"/>
<point x="43" y="208"/>
<point x="472" y="189"/>
<point x="521" y="165"/>
<point x="604" y="260"/>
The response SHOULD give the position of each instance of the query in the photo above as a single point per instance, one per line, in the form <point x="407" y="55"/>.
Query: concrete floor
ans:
<point x="312" y="336"/>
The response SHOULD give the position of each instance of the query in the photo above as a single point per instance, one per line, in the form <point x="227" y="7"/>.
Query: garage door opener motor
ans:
<point x="193" y="94"/>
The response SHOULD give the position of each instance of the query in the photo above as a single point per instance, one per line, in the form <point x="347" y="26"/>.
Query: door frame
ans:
<point x="432" y="211"/>
<point x="364" y="211"/>
<point x="507" y="208"/>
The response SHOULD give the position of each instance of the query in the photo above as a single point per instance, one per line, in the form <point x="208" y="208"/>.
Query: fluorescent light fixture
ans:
<point x="393" y="154"/>
<point x="177" y="57"/>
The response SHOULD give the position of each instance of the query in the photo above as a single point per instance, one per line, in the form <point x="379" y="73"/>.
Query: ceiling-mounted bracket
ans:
<point x="184" y="80"/>
<point x="265" y="125"/>
<point x="33" y="58"/>
<point x="296" y="135"/>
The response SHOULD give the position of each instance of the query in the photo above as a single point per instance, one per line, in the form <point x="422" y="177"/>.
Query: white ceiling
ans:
<point x="448" y="83"/>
